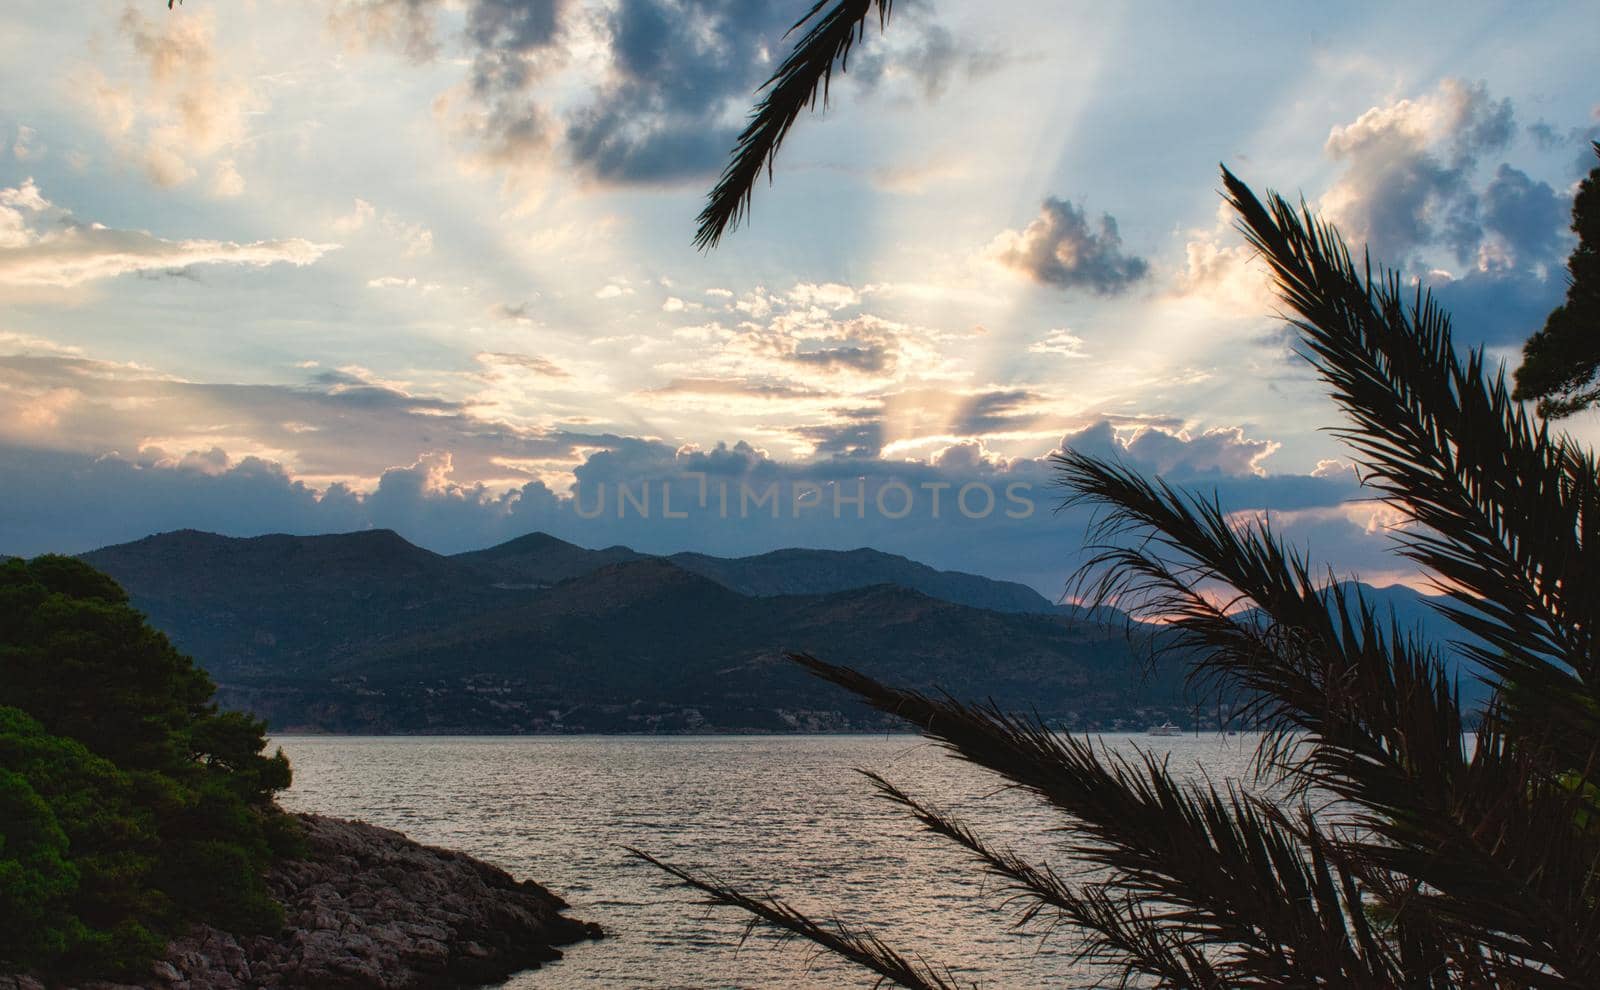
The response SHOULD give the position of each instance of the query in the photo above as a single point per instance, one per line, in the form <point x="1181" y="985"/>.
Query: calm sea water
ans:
<point x="772" y="814"/>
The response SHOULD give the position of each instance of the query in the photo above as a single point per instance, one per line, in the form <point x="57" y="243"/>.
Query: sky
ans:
<point x="427" y="264"/>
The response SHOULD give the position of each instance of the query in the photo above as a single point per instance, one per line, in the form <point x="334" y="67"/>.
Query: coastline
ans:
<point x="367" y="908"/>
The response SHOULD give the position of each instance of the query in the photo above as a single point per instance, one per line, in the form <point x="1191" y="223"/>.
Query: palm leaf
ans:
<point x="801" y="78"/>
<point x="1210" y="867"/>
<point x="1366" y="714"/>
<point x="1451" y="863"/>
<point x="863" y="949"/>
<point x="1506" y="511"/>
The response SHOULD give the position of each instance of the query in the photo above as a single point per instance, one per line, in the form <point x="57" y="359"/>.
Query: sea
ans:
<point x="786" y="816"/>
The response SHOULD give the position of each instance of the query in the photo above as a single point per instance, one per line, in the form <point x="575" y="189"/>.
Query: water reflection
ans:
<point x="785" y="814"/>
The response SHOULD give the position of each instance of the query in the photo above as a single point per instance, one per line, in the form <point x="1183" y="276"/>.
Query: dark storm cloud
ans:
<point x="996" y="412"/>
<point x="682" y="74"/>
<point x="513" y="25"/>
<point x="860" y="435"/>
<point x="1528" y="216"/>
<point x="681" y="71"/>
<point x="1060" y="247"/>
<point x="1499" y="308"/>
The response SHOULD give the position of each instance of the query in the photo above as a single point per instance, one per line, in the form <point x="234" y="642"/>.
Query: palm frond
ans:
<point x="1207" y="864"/>
<point x="1368" y="714"/>
<point x="863" y="949"/>
<point x="801" y="78"/>
<point x="1112" y="932"/>
<point x="1451" y="861"/>
<point x="1507" y="512"/>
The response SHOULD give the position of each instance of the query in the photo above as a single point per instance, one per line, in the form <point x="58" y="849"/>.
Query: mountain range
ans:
<point x="366" y="632"/>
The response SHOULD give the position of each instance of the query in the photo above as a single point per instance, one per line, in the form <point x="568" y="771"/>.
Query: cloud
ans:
<point x="931" y="59"/>
<point x="992" y="411"/>
<point x="406" y="25"/>
<point x="26" y="147"/>
<point x="416" y="237"/>
<point x="1414" y="184"/>
<point x="862" y="352"/>
<point x="866" y="357"/>
<point x="525" y="362"/>
<point x="226" y="182"/>
<point x="1060" y="342"/>
<point x="1408" y="170"/>
<point x="1549" y="138"/>
<point x="178" y="103"/>
<point x="340" y="424"/>
<point x="677" y="71"/>
<point x="828" y="295"/>
<point x="962" y="508"/>
<point x="734" y="386"/>
<point x="740" y="397"/>
<point x="1060" y="248"/>
<point x="397" y="282"/>
<point x="801" y="368"/>
<point x="661" y="85"/>
<point x="1524" y="220"/>
<point x="359" y="216"/>
<point x="521" y="312"/>
<point x="1176" y="454"/>
<point x="1223" y="272"/>
<point x="44" y="245"/>
<point x="1499" y="307"/>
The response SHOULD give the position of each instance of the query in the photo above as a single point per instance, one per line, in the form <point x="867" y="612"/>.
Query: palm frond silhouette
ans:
<point x="1462" y="855"/>
<point x="829" y="34"/>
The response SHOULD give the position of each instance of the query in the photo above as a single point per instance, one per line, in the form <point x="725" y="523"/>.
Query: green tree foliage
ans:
<point x="1474" y="860"/>
<point x="131" y="804"/>
<point x="77" y="657"/>
<point x="35" y="878"/>
<point x="87" y="848"/>
<point x="1560" y="363"/>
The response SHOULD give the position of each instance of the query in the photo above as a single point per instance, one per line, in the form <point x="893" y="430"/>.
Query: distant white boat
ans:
<point x="1165" y="729"/>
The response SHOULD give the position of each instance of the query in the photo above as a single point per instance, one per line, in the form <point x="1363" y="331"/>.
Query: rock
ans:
<point x="368" y="909"/>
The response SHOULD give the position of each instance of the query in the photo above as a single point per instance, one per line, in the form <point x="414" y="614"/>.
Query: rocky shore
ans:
<point x="369" y="909"/>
